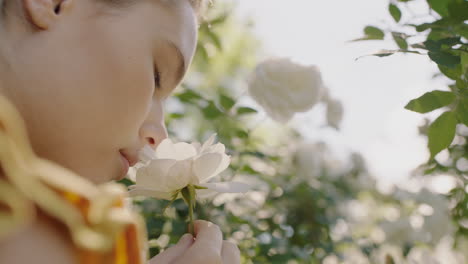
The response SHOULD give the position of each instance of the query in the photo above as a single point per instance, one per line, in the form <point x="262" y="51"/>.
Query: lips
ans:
<point x="125" y="167"/>
<point x="132" y="160"/>
<point x="127" y="162"/>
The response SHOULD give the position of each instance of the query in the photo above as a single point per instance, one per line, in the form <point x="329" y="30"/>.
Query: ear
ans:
<point x="44" y="13"/>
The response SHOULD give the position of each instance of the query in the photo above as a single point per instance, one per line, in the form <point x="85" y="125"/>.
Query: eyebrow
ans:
<point x="181" y="67"/>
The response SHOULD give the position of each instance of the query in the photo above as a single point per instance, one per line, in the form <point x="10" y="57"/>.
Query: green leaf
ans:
<point x="242" y="134"/>
<point x="189" y="96"/>
<point x="431" y="101"/>
<point x="126" y="182"/>
<point x="462" y="112"/>
<point x="458" y="10"/>
<point x="442" y="33"/>
<point x="423" y="27"/>
<point x="219" y="20"/>
<point x="211" y="111"/>
<point x="462" y="30"/>
<point x="245" y="110"/>
<point x="176" y="115"/>
<point x="441" y="133"/>
<point x="441" y="44"/>
<point x="444" y="58"/>
<point x="452" y="73"/>
<point x="440" y="6"/>
<point x="400" y="41"/>
<point x="201" y="51"/>
<point x="215" y="39"/>
<point x="373" y="32"/>
<point x="395" y="12"/>
<point x="385" y="53"/>
<point x="226" y="102"/>
<point x="464" y="64"/>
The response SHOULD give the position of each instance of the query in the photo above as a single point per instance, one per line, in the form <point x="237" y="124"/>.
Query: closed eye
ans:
<point x="157" y="78"/>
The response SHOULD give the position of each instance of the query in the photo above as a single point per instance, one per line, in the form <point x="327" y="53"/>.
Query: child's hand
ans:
<point x="208" y="247"/>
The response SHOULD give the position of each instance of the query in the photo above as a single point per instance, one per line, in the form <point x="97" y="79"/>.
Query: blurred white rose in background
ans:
<point x="284" y="88"/>
<point x="335" y="113"/>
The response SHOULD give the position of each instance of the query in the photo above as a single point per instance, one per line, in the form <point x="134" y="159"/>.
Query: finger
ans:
<point x="230" y="253"/>
<point x="208" y="236"/>
<point x="207" y="246"/>
<point x="170" y="254"/>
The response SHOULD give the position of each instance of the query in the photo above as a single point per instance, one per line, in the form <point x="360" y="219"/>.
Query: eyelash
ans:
<point x="157" y="79"/>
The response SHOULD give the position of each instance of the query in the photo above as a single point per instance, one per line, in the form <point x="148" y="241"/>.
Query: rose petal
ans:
<point x="206" y="193"/>
<point x="146" y="154"/>
<point x="179" y="175"/>
<point x="141" y="191"/>
<point x="227" y="187"/>
<point x="219" y="148"/>
<point x="155" y="175"/>
<point x="206" y="165"/>
<point x="197" y="146"/>
<point x="208" y="143"/>
<point x="178" y="151"/>
<point x="223" y="165"/>
<point x="184" y="150"/>
<point x="131" y="174"/>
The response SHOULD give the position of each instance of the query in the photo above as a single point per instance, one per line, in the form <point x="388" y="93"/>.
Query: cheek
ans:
<point x="122" y="87"/>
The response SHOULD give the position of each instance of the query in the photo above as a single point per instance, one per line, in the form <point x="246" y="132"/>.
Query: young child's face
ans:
<point x="86" y="85"/>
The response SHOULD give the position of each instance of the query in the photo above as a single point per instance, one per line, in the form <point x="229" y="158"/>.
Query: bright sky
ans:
<point x="373" y="90"/>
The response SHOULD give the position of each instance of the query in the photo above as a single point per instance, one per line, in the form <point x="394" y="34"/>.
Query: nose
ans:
<point x="153" y="130"/>
<point x="152" y="134"/>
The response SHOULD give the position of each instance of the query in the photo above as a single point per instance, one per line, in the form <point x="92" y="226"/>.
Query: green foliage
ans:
<point x="372" y="33"/>
<point x="400" y="40"/>
<point x="440" y="6"/>
<point x="445" y="44"/>
<point x="395" y="12"/>
<point x="431" y="101"/>
<point x="245" y="110"/>
<point x="441" y="132"/>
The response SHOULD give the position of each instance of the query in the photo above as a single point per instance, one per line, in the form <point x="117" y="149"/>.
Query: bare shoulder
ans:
<point x="37" y="244"/>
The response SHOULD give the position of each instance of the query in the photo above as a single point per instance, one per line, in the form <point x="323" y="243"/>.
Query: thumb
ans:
<point x="170" y="254"/>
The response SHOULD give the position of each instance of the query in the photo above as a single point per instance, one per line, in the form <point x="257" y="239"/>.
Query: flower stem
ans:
<point x="191" y="224"/>
<point x="189" y="195"/>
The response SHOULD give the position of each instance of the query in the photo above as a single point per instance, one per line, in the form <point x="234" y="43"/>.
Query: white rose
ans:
<point x="172" y="167"/>
<point x="283" y="87"/>
<point x="334" y="113"/>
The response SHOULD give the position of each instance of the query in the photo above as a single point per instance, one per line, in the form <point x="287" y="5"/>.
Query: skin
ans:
<point x="84" y="81"/>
